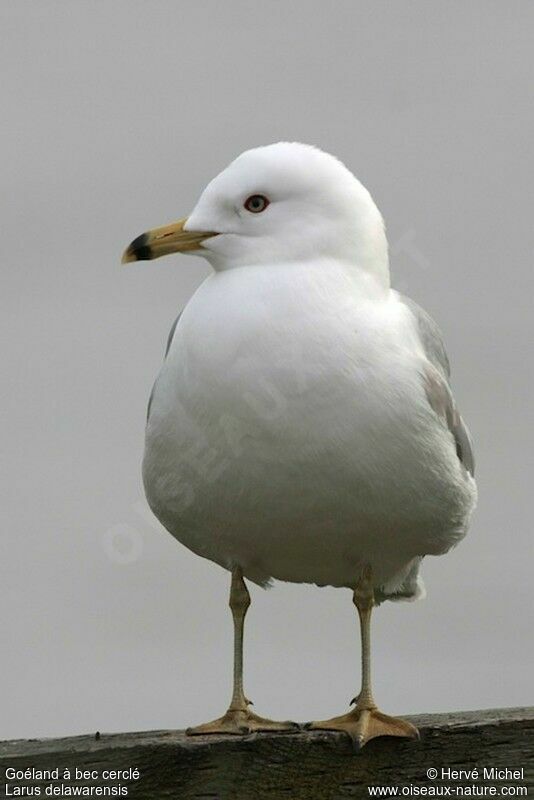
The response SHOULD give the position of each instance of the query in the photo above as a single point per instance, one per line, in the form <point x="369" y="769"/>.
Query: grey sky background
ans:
<point x="115" y="116"/>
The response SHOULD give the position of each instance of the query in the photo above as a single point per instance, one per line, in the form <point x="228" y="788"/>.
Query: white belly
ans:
<point x="291" y="435"/>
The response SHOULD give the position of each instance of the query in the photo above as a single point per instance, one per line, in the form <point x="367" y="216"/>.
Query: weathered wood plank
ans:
<point x="302" y="766"/>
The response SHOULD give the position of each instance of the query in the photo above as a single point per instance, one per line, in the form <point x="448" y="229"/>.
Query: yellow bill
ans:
<point x="164" y="241"/>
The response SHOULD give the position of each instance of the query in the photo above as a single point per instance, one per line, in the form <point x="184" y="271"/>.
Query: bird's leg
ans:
<point x="239" y="719"/>
<point x="239" y="605"/>
<point x="365" y="721"/>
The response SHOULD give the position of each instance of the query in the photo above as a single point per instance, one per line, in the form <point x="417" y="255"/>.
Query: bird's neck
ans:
<point x="371" y="275"/>
<point x="368" y="252"/>
<point x="320" y="281"/>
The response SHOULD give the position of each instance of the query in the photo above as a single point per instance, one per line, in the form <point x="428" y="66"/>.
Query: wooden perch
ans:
<point x="303" y="766"/>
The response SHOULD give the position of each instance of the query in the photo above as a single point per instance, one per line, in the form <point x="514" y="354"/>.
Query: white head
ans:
<point x="286" y="202"/>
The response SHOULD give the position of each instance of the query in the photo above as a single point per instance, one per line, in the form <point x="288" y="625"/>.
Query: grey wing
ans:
<point x="430" y="336"/>
<point x="437" y="386"/>
<point x="167" y="348"/>
<point x="171" y="334"/>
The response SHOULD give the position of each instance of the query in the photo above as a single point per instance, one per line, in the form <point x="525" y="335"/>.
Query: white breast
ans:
<point x="290" y="433"/>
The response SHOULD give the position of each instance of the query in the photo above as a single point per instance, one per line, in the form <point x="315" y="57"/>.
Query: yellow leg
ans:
<point x="365" y="721"/>
<point x="239" y="720"/>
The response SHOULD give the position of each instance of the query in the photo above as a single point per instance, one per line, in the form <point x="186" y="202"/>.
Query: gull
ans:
<point x="302" y="427"/>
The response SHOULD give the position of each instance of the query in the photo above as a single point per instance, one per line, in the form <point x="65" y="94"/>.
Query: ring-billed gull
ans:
<point x="302" y="426"/>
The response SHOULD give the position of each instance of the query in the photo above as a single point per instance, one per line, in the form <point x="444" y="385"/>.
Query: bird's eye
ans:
<point x="256" y="203"/>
